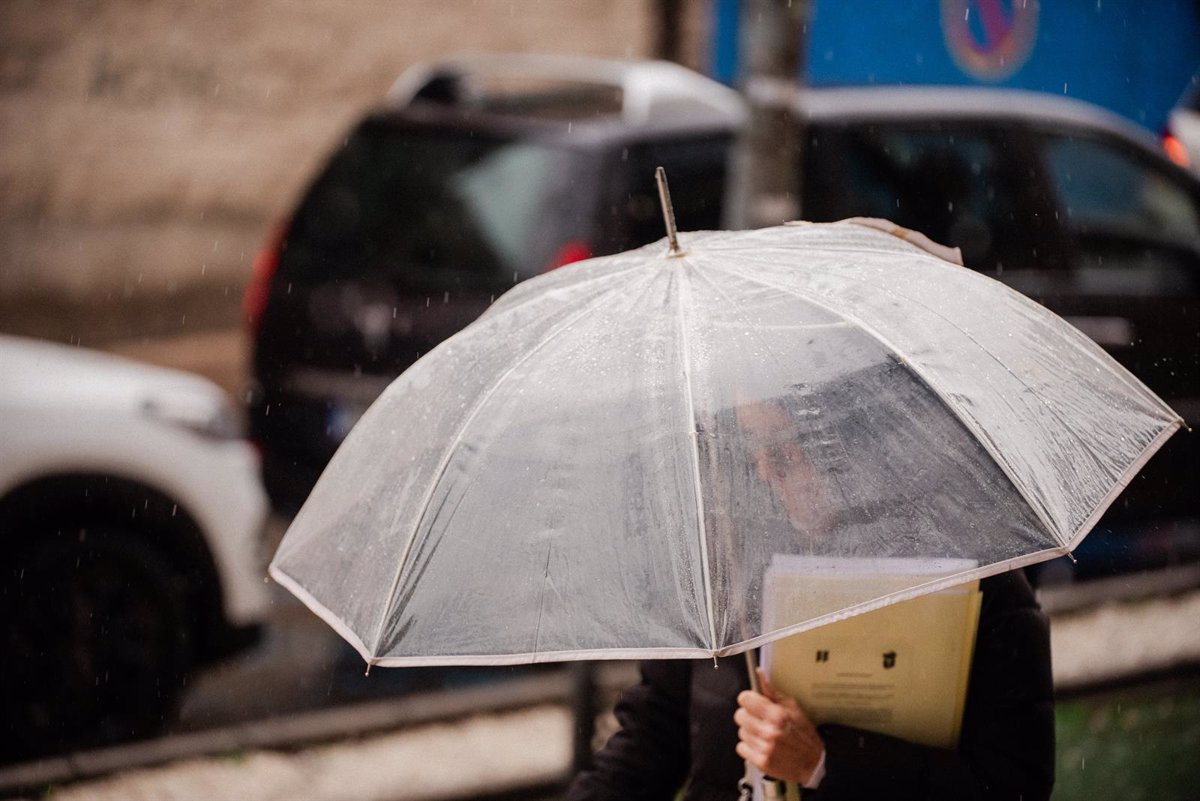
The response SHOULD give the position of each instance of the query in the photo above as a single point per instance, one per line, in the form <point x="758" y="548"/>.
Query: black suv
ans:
<point x="1064" y="202"/>
<point x="439" y="203"/>
<point x="478" y="174"/>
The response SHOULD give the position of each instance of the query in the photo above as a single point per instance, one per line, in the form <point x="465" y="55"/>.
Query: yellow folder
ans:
<point x="900" y="670"/>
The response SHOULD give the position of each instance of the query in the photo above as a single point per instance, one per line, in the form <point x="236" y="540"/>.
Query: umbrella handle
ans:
<point x="752" y="670"/>
<point x="772" y="787"/>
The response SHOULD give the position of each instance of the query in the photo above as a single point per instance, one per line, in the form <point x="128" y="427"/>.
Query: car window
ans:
<point x="1103" y="187"/>
<point x="956" y="184"/>
<point x="1134" y="225"/>
<point x="438" y="209"/>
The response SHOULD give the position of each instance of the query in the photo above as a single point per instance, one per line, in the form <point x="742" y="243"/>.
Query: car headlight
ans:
<point x="209" y="418"/>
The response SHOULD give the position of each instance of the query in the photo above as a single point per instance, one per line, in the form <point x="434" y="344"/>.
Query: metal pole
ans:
<point x="666" y="37"/>
<point x="765" y="177"/>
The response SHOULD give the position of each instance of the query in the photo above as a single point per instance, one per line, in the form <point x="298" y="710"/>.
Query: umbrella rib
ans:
<point x="695" y="453"/>
<point x="1000" y="462"/>
<point x="401" y="569"/>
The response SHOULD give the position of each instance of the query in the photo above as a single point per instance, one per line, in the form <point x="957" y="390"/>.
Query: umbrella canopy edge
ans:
<point x="321" y="611"/>
<point x="1134" y="468"/>
<point x="606" y="654"/>
<point x="906" y="594"/>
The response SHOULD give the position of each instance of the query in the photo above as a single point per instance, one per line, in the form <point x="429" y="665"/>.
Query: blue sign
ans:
<point x="1131" y="56"/>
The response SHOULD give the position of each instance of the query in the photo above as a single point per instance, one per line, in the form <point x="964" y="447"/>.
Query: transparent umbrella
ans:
<point x="606" y="463"/>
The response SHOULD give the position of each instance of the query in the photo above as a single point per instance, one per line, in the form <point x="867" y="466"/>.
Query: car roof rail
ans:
<point x="640" y="92"/>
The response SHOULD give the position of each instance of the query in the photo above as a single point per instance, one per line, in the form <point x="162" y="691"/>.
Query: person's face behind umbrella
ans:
<point x="772" y="439"/>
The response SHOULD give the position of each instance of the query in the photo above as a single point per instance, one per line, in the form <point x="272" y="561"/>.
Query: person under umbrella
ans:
<point x="563" y="480"/>
<point x="688" y="725"/>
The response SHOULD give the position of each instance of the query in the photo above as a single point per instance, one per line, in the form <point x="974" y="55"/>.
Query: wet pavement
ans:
<point x="481" y="757"/>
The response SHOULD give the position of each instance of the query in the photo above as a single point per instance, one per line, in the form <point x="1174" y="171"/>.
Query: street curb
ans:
<point x="295" y="730"/>
<point x="1072" y="597"/>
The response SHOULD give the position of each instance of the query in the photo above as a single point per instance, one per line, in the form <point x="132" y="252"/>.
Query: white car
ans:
<point x="130" y="517"/>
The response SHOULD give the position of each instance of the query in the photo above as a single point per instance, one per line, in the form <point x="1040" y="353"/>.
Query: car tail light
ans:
<point x="1175" y="150"/>
<point x="262" y="273"/>
<point x="570" y="252"/>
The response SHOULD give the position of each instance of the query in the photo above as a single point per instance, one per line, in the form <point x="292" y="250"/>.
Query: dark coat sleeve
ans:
<point x="648" y="757"/>
<point x="1006" y="750"/>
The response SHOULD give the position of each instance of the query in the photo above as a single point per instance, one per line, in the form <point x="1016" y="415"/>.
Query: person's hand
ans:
<point x="775" y="735"/>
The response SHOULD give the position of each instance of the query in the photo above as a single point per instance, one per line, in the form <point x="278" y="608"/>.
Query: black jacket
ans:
<point x="677" y="727"/>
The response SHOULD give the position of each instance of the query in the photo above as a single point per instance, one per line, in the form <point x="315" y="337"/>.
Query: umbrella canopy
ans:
<point x="606" y="463"/>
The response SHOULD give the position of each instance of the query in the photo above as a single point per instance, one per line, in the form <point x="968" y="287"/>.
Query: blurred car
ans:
<point x="1057" y="198"/>
<point x="477" y="174"/>
<point x="1066" y="203"/>
<point x="130" y="512"/>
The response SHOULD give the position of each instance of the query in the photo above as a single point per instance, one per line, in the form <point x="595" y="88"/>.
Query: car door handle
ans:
<point x="1107" y="332"/>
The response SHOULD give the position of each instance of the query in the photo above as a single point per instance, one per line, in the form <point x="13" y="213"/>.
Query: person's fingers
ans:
<point x="760" y="706"/>
<point x="751" y="755"/>
<point x="756" y="726"/>
<point x="763" y="745"/>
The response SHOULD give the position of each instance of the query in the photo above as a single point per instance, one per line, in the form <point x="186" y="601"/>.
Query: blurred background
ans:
<point x="212" y="192"/>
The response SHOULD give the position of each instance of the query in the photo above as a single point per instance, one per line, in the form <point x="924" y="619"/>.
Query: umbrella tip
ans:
<point x="664" y="197"/>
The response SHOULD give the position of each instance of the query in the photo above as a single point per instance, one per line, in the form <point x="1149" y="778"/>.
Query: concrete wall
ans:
<point x="146" y="145"/>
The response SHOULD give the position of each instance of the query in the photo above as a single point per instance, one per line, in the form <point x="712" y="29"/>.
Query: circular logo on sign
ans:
<point x="990" y="39"/>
